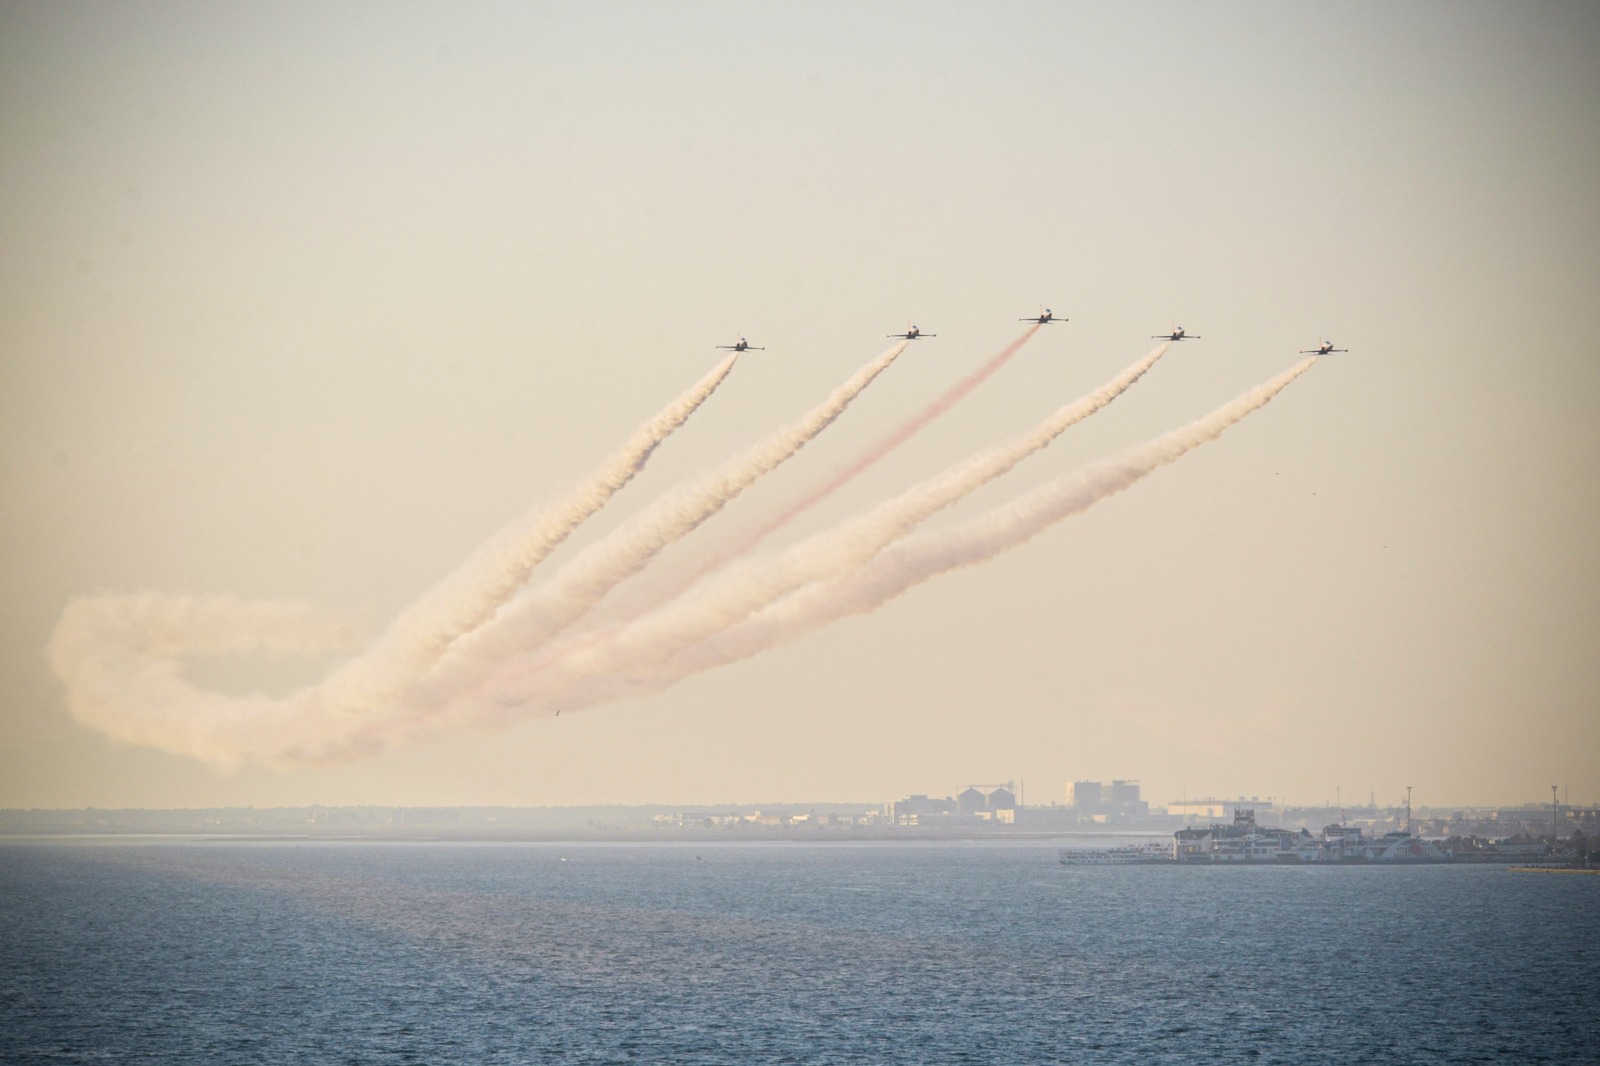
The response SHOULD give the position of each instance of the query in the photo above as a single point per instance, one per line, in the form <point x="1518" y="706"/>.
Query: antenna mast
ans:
<point x="1554" y="825"/>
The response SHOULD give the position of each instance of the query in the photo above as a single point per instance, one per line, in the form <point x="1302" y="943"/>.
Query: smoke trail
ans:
<point x="486" y="581"/>
<point x="927" y="555"/>
<point x="198" y="625"/>
<point x="866" y="459"/>
<point x="115" y="654"/>
<point x="118" y="657"/>
<point x="900" y="568"/>
<point x="881" y="448"/>
<point x="636" y="646"/>
<point x="544" y="612"/>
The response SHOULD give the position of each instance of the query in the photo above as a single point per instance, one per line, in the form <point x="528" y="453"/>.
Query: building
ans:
<point x="1239" y="841"/>
<point x="1199" y="808"/>
<point x="988" y="802"/>
<point x="922" y="810"/>
<point x="1124" y="801"/>
<point x="1098" y="802"/>
<point x="1084" y="797"/>
<point x="1244" y="841"/>
<point x="1217" y="809"/>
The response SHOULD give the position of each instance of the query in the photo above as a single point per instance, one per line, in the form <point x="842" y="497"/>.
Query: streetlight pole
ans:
<point x="1554" y="824"/>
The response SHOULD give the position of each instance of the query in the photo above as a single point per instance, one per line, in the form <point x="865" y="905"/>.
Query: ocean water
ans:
<point x="183" y="952"/>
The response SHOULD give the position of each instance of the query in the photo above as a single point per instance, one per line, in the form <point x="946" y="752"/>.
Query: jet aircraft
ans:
<point x="1044" y="318"/>
<point x="913" y="333"/>
<point x="742" y="346"/>
<point x="1324" y="348"/>
<point x="1177" y="334"/>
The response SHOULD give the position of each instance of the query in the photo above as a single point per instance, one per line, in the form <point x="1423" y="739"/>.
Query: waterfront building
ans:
<point x="1245" y="841"/>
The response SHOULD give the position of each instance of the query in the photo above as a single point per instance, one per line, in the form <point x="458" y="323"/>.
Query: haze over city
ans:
<point x="307" y="303"/>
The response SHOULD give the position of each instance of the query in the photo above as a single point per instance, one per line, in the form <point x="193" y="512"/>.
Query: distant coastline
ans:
<point x="817" y="822"/>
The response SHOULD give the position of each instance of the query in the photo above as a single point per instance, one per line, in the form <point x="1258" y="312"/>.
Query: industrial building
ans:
<point x="1098" y="802"/>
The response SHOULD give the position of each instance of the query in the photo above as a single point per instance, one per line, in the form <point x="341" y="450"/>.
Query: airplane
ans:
<point x="1324" y="348"/>
<point x="913" y="333"/>
<point x="1177" y="334"/>
<point x="1044" y="319"/>
<point x="742" y="346"/>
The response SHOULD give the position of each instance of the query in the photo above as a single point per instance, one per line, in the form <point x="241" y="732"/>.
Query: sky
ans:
<point x="306" y="301"/>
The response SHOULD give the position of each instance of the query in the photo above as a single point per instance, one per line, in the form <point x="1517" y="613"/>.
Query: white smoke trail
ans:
<point x="116" y="654"/>
<point x="467" y="599"/>
<point x="119" y="655"/>
<point x="638" y="646"/>
<point x="927" y="555"/>
<point x="546" y="611"/>
<point x="890" y="572"/>
<point x="863" y="461"/>
<point x="200" y="625"/>
<point x="876" y="452"/>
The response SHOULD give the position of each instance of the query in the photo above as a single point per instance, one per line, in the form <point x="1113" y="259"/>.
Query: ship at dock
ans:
<point x="1156" y="851"/>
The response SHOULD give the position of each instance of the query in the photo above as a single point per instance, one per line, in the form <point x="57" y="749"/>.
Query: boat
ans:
<point x="1148" y="852"/>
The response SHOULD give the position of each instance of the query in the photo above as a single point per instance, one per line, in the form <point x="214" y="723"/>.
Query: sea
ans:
<point x="217" y="952"/>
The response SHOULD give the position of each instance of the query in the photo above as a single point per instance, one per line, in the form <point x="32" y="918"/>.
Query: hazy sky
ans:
<point x="306" y="300"/>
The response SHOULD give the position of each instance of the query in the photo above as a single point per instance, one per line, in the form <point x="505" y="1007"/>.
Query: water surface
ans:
<point x="226" y="952"/>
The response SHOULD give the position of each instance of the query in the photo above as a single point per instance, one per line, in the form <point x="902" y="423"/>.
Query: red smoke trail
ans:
<point x="883" y="447"/>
